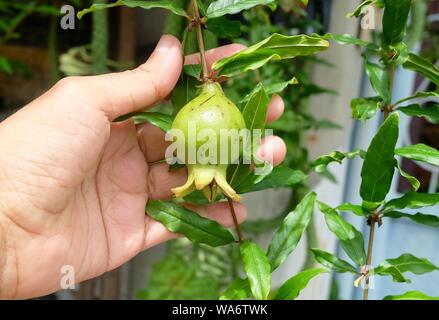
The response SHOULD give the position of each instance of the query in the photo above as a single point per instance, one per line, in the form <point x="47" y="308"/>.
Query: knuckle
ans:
<point x="69" y="86"/>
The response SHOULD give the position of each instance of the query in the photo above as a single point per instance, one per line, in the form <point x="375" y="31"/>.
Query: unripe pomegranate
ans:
<point x="213" y="113"/>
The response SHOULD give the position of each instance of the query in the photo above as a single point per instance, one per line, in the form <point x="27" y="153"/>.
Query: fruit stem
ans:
<point x="235" y="221"/>
<point x="200" y="40"/>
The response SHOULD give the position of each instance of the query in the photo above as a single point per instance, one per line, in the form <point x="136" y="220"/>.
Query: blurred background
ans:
<point x="35" y="52"/>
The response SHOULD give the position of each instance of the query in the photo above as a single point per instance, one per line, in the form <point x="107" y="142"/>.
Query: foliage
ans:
<point x="382" y="58"/>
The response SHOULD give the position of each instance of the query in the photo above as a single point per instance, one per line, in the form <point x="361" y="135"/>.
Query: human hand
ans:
<point x="73" y="184"/>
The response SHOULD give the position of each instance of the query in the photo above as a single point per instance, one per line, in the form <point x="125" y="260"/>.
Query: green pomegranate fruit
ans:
<point x="214" y="113"/>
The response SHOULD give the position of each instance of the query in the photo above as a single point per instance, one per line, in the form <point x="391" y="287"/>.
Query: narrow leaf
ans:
<point x="349" y="39"/>
<point x="165" y="4"/>
<point x="290" y="231"/>
<point x="255" y="111"/>
<point x="431" y="113"/>
<point x="320" y="164"/>
<point x="222" y="7"/>
<point x="408" y="263"/>
<point x="412" y="180"/>
<point x="379" y="164"/>
<point x="359" y="10"/>
<point x="413" y="200"/>
<point x="386" y="269"/>
<point x="419" y="95"/>
<point x="272" y="88"/>
<point x="181" y="220"/>
<point x="411" y="295"/>
<point x="422" y="66"/>
<point x="275" y="47"/>
<point x="421" y="218"/>
<point x="281" y="176"/>
<point x="419" y="152"/>
<point x="379" y="79"/>
<point x="354" y="208"/>
<point x="185" y="90"/>
<point x="350" y="238"/>
<point x="396" y="14"/>
<point x="292" y="287"/>
<point x="333" y="262"/>
<point x="257" y="268"/>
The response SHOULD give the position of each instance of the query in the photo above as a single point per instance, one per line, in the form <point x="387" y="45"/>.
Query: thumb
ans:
<point x="117" y="94"/>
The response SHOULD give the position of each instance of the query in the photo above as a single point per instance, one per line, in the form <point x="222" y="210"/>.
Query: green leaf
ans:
<point x="411" y="295"/>
<point x="333" y="262"/>
<point x="275" y="47"/>
<point x="181" y="220"/>
<point x="386" y="269"/>
<point x="365" y="108"/>
<point x="290" y="231"/>
<point x="161" y="120"/>
<point x="185" y="90"/>
<point x="379" y="79"/>
<point x="193" y="70"/>
<point x="174" y="278"/>
<point x="305" y="2"/>
<point x="349" y="39"/>
<point x="354" y="208"/>
<point x="165" y="4"/>
<point x="255" y="111"/>
<point x="239" y="289"/>
<point x="431" y="113"/>
<point x="6" y="65"/>
<point x="396" y="14"/>
<point x="422" y="66"/>
<point x="350" y="238"/>
<point x="421" y="218"/>
<point x="379" y="164"/>
<point x="413" y="200"/>
<point x="397" y="54"/>
<point x="359" y="10"/>
<point x="412" y="180"/>
<point x="320" y="164"/>
<point x="224" y="28"/>
<point x="272" y="88"/>
<point x="257" y="268"/>
<point x="222" y="7"/>
<point x="292" y="287"/>
<point x="419" y="152"/>
<point x="281" y="176"/>
<point x="419" y="95"/>
<point x="407" y="263"/>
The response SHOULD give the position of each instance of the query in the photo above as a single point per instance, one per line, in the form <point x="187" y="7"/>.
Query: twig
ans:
<point x="235" y="221"/>
<point x="369" y="255"/>
<point x="200" y="40"/>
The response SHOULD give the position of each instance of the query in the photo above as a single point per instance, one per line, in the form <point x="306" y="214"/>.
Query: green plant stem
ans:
<point x="235" y="221"/>
<point x="373" y="218"/>
<point x="369" y="255"/>
<point x="99" y="44"/>
<point x="200" y="40"/>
